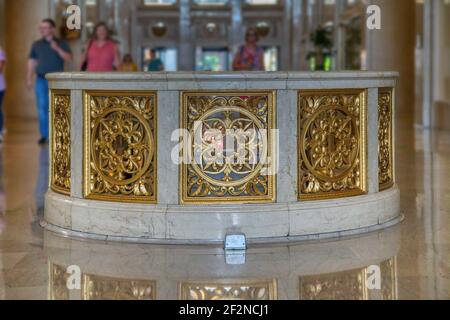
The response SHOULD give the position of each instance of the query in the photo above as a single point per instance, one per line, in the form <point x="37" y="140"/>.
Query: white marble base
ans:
<point x="198" y="224"/>
<point x="174" y="262"/>
<point x="171" y="266"/>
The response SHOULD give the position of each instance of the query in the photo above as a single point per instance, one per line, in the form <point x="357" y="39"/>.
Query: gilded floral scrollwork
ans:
<point x="58" y="283"/>
<point x="332" y="142"/>
<point x="121" y="147"/>
<point x="229" y="148"/>
<point x="229" y="290"/>
<point x="385" y="149"/>
<point x="60" y="141"/>
<point x="346" y="285"/>
<point x="357" y="284"/>
<point x="105" y="288"/>
<point x="388" y="270"/>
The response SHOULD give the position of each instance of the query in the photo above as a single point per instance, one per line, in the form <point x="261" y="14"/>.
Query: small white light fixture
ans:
<point x="235" y="242"/>
<point x="235" y="246"/>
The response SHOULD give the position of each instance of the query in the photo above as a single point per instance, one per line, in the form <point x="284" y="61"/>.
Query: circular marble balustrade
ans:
<point x="323" y="144"/>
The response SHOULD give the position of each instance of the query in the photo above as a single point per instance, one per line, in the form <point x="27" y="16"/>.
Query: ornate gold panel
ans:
<point x="346" y="285"/>
<point x="214" y="172"/>
<point x="58" y="283"/>
<point x="228" y="290"/>
<point x="120" y="146"/>
<point x="385" y="138"/>
<point x="350" y="285"/>
<point x="389" y="279"/>
<point x="331" y="143"/>
<point x="105" y="288"/>
<point x="60" y="141"/>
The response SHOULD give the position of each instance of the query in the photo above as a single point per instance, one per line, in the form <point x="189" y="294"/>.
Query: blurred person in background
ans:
<point x="127" y="64"/>
<point x="155" y="64"/>
<point x="47" y="55"/>
<point x="102" y="53"/>
<point x="250" y="57"/>
<point x="2" y="89"/>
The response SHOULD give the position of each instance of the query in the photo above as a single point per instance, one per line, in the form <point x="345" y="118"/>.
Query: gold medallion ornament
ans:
<point x="228" y="151"/>
<point x="385" y="144"/>
<point x="228" y="290"/>
<point x="60" y="141"/>
<point x="331" y="144"/>
<point x="120" y="146"/>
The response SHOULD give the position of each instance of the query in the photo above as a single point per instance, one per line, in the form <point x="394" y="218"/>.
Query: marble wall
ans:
<point x="393" y="47"/>
<point x="22" y="20"/>
<point x="441" y="48"/>
<point x="2" y="23"/>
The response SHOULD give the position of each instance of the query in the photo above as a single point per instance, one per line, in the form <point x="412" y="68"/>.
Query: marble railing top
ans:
<point x="223" y="76"/>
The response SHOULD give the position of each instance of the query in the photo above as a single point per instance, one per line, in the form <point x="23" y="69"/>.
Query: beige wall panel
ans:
<point x="22" y="19"/>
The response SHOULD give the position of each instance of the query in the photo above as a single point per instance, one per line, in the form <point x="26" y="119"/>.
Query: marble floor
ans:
<point x="412" y="259"/>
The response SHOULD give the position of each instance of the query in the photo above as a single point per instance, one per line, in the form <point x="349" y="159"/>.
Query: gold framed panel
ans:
<point x="389" y="285"/>
<point x="57" y="283"/>
<point x="386" y="166"/>
<point x="60" y="141"/>
<point x="97" y="287"/>
<point x="120" y="146"/>
<point x="332" y="143"/>
<point x="226" y="183"/>
<point x="344" y="285"/>
<point x="351" y="284"/>
<point x="225" y="289"/>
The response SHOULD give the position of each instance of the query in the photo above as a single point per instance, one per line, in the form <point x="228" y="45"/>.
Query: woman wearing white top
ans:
<point x="2" y="89"/>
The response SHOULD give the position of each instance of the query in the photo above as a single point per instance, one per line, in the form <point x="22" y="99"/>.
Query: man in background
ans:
<point x="47" y="55"/>
<point x="155" y="64"/>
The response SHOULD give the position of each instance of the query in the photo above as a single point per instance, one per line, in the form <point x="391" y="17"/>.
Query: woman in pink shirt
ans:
<point x="250" y="56"/>
<point x="102" y="54"/>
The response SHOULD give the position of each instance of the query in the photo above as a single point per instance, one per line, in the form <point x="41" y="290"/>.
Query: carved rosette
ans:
<point x="60" y="141"/>
<point x="228" y="153"/>
<point x="120" y="146"/>
<point x="352" y="284"/>
<point x="105" y="288"/>
<point x="229" y="290"/>
<point x="331" y="144"/>
<point x="385" y="143"/>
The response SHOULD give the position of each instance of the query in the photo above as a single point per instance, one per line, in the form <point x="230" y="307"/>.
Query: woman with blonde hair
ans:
<point x="102" y="54"/>
<point x="127" y="64"/>
<point x="250" y="57"/>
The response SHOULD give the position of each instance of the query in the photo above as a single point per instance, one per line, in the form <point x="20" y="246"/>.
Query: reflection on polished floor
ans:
<point x="412" y="258"/>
